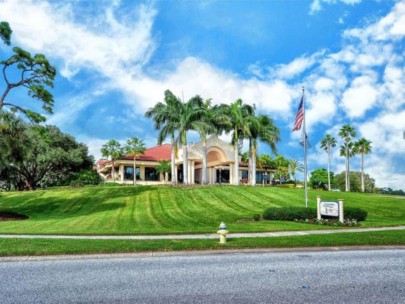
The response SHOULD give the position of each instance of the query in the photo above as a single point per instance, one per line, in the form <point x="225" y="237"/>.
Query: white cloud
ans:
<point x="295" y="67"/>
<point x="391" y="27"/>
<point x="316" y="5"/>
<point x="366" y="76"/>
<point x="112" y="48"/>
<point x="360" y="97"/>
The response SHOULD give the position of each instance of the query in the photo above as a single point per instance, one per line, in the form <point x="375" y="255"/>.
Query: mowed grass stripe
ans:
<point x="262" y="196"/>
<point x="164" y="209"/>
<point x="182" y="204"/>
<point x="153" y="220"/>
<point x="246" y="202"/>
<point x="227" y="205"/>
<point x="167" y="210"/>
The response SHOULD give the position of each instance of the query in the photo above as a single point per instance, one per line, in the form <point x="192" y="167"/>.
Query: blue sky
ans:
<point x="116" y="58"/>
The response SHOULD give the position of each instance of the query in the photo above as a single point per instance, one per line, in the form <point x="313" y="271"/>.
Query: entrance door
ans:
<point x="222" y="176"/>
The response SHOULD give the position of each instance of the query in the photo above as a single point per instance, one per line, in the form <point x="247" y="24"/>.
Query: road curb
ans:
<point x="195" y="253"/>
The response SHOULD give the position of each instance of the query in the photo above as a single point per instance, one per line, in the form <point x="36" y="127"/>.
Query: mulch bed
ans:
<point x="10" y="216"/>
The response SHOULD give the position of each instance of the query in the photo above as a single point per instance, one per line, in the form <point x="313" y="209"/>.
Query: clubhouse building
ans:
<point x="220" y="166"/>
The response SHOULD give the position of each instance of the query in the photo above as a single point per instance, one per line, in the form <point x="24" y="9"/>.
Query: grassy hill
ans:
<point x="165" y="210"/>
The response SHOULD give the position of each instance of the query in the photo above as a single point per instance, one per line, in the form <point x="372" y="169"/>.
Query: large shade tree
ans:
<point x="166" y="119"/>
<point x="113" y="150"/>
<point x="36" y="155"/>
<point x="362" y="147"/>
<point x="347" y="133"/>
<point x="22" y="70"/>
<point x="134" y="147"/>
<point x="327" y="143"/>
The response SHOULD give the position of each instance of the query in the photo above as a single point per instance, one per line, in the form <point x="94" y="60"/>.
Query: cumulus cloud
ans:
<point x="316" y="5"/>
<point x="365" y="76"/>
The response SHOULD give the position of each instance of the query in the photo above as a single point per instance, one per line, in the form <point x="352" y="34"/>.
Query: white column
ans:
<point x="231" y="169"/>
<point x="121" y="172"/>
<point x="192" y="173"/>
<point x="341" y="217"/>
<point x="318" y="207"/>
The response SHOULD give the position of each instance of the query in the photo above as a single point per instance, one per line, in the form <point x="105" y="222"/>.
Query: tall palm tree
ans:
<point x="165" y="116"/>
<point x="135" y="147"/>
<point x="237" y="122"/>
<point x="347" y="133"/>
<point x="362" y="147"/>
<point x="112" y="149"/>
<point x="264" y="130"/>
<point x="327" y="143"/>
<point x="205" y="126"/>
<point x="188" y="113"/>
<point x="295" y="166"/>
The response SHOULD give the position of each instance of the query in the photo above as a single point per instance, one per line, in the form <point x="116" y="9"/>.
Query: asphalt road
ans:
<point x="375" y="276"/>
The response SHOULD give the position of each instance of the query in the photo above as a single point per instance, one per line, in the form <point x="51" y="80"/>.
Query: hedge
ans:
<point x="301" y="213"/>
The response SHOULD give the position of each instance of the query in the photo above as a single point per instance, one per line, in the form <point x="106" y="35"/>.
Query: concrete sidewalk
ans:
<point x="197" y="236"/>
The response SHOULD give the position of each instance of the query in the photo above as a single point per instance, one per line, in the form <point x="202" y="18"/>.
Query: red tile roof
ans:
<point x="157" y="153"/>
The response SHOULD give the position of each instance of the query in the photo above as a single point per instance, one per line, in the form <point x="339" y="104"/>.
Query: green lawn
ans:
<point x="166" y="210"/>
<point x="15" y="247"/>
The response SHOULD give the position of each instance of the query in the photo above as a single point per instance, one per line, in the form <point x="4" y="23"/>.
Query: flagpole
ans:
<point x="305" y="150"/>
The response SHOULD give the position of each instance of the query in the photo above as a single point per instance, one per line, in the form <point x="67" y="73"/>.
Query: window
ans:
<point x="129" y="173"/>
<point x="151" y="174"/>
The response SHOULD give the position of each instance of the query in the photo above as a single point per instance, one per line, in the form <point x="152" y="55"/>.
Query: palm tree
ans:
<point x="188" y="113"/>
<point x="165" y="115"/>
<point x="261" y="128"/>
<point x="281" y="164"/>
<point x="112" y="149"/>
<point x="237" y="121"/>
<point x="295" y="166"/>
<point x="363" y="147"/>
<point x="327" y="143"/>
<point x="135" y="147"/>
<point x="163" y="167"/>
<point x="265" y="161"/>
<point x="347" y="132"/>
<point x="206" y="125"/>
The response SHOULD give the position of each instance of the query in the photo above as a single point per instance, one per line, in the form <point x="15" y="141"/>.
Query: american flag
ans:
<point x="300" y="116"/>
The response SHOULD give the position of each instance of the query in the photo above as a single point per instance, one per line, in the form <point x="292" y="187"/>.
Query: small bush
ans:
<point x="355" y="213"/>
<point x="289" y="214"/>
<point x="256" y="217"/>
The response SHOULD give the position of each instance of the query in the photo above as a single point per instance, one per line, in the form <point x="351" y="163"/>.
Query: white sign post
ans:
<point x="329" y="208"/>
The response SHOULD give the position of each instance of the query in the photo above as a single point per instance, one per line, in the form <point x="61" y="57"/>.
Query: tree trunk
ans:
<point x="329" y="168"/>
<point x="362" y="173"/>
<point x="253" y="183"/>
<point x="204" y="160"/>
<point x="173" y="159"/>
<point x="185" y="164"/>
<point x="134" y="170"/>
<point x="347" y="188"/>
<point x="236" y="156"/>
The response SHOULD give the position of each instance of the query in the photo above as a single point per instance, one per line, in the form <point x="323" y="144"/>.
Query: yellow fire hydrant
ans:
<point x="222" y="233"/>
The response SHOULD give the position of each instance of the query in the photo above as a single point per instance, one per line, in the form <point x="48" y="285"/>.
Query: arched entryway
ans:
<point x="218" y="166"/>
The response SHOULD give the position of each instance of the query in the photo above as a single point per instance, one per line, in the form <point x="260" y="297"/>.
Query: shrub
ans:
<point x="289" y="214"/>
<point x="301" y="213"/>
<point x="256" y="217"/>
<point x="355" y="213"/>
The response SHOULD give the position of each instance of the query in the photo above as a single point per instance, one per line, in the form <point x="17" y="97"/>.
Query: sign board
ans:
<point x="329" y="208"/>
